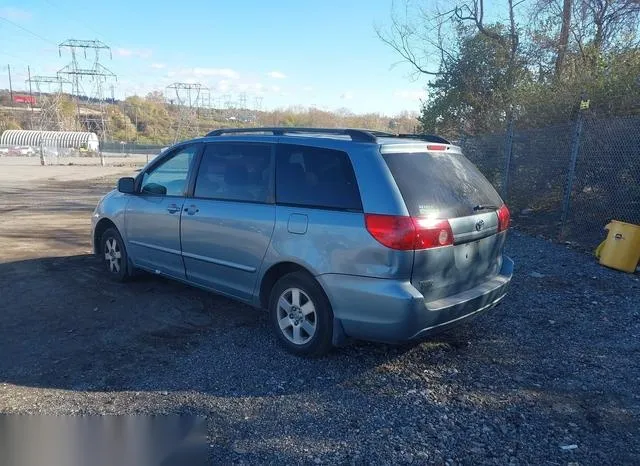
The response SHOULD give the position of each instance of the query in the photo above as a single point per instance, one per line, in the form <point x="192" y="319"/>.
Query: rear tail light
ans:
<point x="436" y="147"/>
<point x="432" y="233"/>
<point x="408" y="233"/>
<point x="504" y="217"/>
<point x="394" y="232"/>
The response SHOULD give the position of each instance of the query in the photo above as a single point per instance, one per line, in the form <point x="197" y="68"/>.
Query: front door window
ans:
<point x="170" y="177"/>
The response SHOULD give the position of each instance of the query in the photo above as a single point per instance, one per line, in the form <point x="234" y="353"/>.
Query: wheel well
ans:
<point x="101" y="227"/>
<point x="275" y="273"/>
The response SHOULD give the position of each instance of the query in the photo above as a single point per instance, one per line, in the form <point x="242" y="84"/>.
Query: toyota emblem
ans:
<point x="479" y="225"/>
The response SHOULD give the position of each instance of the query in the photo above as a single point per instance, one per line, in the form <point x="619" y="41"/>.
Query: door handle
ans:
<point x="191" y="210"/>
<point x="172" y="208"/>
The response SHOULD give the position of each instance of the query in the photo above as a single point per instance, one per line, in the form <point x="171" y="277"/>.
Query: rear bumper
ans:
<point x="394" y="311"/>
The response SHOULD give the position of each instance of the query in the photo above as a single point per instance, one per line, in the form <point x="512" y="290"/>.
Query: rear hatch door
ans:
<point x="443" y="184"/>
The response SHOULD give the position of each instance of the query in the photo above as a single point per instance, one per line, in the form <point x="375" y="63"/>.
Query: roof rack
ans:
<point x="358" y="135"/>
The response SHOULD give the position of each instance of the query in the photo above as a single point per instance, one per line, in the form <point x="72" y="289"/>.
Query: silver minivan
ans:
<point x="338" y="233"/>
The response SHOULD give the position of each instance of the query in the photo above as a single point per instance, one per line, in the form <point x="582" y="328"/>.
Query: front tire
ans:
<point x="114" y="255"/>
<point x="301" y="315"/>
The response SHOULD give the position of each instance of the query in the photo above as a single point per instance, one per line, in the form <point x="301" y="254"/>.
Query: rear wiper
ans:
<point x="485" y="207"/>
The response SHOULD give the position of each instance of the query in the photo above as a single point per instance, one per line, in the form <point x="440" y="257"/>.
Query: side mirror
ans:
<point x="154" y="188"/>
<point x="127" y="185"/>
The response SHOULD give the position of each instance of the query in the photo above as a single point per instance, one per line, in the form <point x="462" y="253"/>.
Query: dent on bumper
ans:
<point x="394" y="311"/>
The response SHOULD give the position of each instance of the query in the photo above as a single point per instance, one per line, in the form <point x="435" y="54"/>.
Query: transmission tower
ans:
<point x="258" y="103"/>
<point x="187" y="99"/>
<point x="91" y="72"/>
<point x="228" y="103"/>
<point x="204" y="105"/>
<point x="51" y="90"/>
<point x="242" y="100"/>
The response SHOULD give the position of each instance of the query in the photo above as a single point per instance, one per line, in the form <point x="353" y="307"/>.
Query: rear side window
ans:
<point x="235" y="172"/>
<point x="440" y="185"/>
<point x="315" y="177"/>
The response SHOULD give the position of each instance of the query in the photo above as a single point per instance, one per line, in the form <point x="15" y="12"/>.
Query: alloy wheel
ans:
<point x="297" y="317"/>
<point x="113" y="255"/>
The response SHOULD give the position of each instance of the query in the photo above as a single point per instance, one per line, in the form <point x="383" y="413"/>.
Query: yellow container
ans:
<point x="621" y="249"/>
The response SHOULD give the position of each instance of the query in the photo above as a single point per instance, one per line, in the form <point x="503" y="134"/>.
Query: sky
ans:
<point x="305" y="52"/>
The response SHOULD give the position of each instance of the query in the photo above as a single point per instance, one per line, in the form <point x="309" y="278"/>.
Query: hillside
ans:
<point x="151" y="120"/>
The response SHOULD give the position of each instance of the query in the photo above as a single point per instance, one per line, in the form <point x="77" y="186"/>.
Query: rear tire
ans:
<point x="114" y="255"/>
<point x="301" y="315"/>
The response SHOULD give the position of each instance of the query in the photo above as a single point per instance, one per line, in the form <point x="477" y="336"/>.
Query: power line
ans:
<point x="69" y="13"/>
<point x="29" y="31"/>
<point x="15" y="57"/>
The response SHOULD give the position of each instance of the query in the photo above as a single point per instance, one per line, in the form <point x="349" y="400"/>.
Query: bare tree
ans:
<point x="421" y="41"/>
<point x="610" y="19"/>
<point x="418" y="37"/>
<point x="473" y="12"/>
<point x="587" y="27"/>
<point x="563" y="41"/>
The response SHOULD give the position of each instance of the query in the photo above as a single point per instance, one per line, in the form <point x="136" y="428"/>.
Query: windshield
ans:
<point x="440" y="185"/>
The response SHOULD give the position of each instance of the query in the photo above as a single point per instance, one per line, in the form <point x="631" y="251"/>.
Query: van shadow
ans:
<point x="67" y="326"/>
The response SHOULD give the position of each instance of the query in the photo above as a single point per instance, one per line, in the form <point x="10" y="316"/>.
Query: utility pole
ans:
<point x="30" y="98"/>
<point x="10" y="87"/>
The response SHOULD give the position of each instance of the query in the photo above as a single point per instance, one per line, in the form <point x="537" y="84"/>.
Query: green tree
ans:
<point x="475" y="88"/>
<point x="150" y="117"/>
<point x="480" y="76"/>
<point x="120" y="126"/>
<point x="7" y="121"/>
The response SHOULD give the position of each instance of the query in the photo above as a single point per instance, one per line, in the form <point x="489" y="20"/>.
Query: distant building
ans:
<point x="24" y="99"/>
<point x="59" y="139"/>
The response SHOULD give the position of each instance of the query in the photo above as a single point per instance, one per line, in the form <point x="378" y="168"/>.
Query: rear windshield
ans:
<point x="440" y="185"/>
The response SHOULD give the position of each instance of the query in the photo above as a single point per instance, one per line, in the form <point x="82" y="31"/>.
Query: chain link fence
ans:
<point x="122" y="148"/>
<point x="50" y="153"/>
<point x="565" y="181"/>
<point x="607" y="177"/>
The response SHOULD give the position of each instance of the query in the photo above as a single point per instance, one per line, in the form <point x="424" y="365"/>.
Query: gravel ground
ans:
<point x="551" y="376"/>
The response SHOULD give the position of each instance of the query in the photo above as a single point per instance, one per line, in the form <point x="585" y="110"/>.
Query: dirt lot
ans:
<point x="549" y="377"/>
